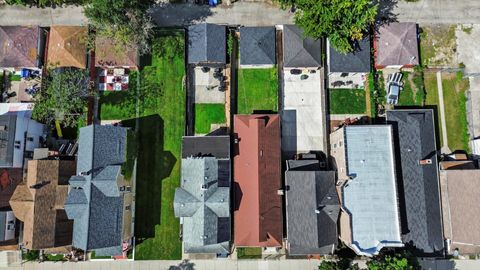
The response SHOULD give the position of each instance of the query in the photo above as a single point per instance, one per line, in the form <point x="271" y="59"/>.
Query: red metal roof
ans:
<point x="257" y="177"/>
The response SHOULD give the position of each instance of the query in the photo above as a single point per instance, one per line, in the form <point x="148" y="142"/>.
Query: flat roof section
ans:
<point x="303" y="126"/>
<point x="371" y="196"/>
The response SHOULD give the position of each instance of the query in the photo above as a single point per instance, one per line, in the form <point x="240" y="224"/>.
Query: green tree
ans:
<point x="63" y="97"/>
<point x="343" y="264"/>
<point x="342" y="21"/>
<point x="124" y="21"/>
<point x="396" y="262"/>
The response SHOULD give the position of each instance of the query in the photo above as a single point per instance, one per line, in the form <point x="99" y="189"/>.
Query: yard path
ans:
<point x="445" y="148"/>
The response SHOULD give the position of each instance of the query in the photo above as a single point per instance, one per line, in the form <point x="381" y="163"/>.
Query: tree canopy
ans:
<point x="127" y="22"/>
<point x="64" y="97"/>
<point x="342" y="21"/>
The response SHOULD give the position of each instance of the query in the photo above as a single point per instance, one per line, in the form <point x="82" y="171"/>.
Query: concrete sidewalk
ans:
<point x="17" y="15"/>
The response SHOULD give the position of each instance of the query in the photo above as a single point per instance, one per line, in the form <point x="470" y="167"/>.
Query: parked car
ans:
<point x="394" y="86"/>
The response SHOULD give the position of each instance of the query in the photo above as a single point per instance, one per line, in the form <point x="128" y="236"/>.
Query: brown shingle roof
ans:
<point x="396" y="44"/>
<point x="39" y="204"/>
<point x="257" y="176"/>
<point x="67" y="46"/>
<point x="19" y="46"/>
<point x="108" y="54"/>
<point x="9" y="179"/>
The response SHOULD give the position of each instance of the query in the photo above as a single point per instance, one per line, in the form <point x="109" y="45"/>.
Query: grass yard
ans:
<point x="249" y="253"/>
<point x="347" y="101"/>
<point x="431" y="99"/>
<point x="438" y="45"/>
<point x="257" y="90"/>
<point x="413" y="93"/>
<point x="157" y="145"/>
<point x="455" y="111"/>
<point x="208" y="114"/>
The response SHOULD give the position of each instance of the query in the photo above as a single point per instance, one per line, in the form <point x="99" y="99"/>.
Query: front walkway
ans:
<point x="445" y="148"/>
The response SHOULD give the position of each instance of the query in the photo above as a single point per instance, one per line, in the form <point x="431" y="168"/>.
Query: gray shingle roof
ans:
<point x="422" y="224"/>
<point x="299" y="51"/>
<point x="207" y="43"/>
<point x="356" y="61"/>
<point x="7" y="139"/>
<point x="217" y="146"/>
<point x="204" y="205"/>
<point x="94" y="201"/>
<point x="257" y="46"/>
<point x="397" y="44"/>
<point x="312" y="211"/>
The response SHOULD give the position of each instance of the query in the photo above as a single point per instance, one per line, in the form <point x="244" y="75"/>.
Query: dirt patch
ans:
<point x="412" y="84"/>
<point x="438" y="46"/>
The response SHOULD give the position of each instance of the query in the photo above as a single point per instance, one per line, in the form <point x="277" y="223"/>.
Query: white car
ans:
<point x="394" y="86"/>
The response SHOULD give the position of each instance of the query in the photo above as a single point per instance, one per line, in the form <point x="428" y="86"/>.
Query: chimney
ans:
<point x="425" y="161"/>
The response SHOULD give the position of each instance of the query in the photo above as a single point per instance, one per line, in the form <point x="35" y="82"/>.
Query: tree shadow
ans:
<point x="170" y="15"/>
<point x="183" y="265"/>
<point x="385" y="13"/>
<point x="153" y="166"/>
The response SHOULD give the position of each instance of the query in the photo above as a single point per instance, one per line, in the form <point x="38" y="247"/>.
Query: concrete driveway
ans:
<point x="17" y="15"/>
<point x="467" y="48"/>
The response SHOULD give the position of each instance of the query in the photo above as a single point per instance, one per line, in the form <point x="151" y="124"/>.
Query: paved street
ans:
<point x="14" y="15"/>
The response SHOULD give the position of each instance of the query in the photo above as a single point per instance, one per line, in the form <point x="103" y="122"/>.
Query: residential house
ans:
<point x="100" y="199"/>
<point x="257" y="181"/>
<point x="349" y="70"/>
<point x="364" y="160"/>
<point x="300" y="51"/>
<point x="39" y="204"/>
<point x="203" y="201"/>
<point x="312" y="210"/>
<point x="419" y="192"/>
<point x="9" y="180"/>
<point x="7" y="227"/>
<point x="396" y="45"/>
<point x="257" y="47"/>
<point x="207" y="44"/>
<point x="19" y="136"/>
<point x="461" y="217"/>
<point x="21" y="46"/>
<point x="108" y="54"/>
<point x="67" y="46"/>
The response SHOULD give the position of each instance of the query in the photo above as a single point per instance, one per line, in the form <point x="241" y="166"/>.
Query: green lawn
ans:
<point x="249" y="253"/>
<point x="455" y="111"/>
<point x="347" y="101"/>
<point x="208" y="114"/>
<point x="438" y="45"/>
<point x="159" y="130"/>
<point x="257" y="90"/>
<point x="409" y="96"/>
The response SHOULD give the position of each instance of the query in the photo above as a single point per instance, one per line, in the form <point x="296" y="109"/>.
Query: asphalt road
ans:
<point x="252" y="13"/>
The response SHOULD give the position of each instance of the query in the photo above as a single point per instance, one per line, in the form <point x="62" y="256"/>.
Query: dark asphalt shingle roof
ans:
<point x="217" y="146"/>
<point x="257" y="46"/>
<point x="312" y="211"/>
<point x="95" y="202"/>
<point x="356" y="61"/>
<point x="299" y="51"/>
<point x="7" y="139"/>
<point x="421" y="222"/>
<point x="207" y="43"/>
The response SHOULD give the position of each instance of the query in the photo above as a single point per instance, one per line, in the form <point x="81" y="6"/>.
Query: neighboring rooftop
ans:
<point x="207" y="43"/>
<point x="257" y="179"/>
<point x="109" y="54"/>
<point x="10" y="178"/>
<point x="461" y="215"/>
<point x="356" y="61"/>
<point x="312" y="209"/>
<point x="67" y="46"/>
<point x="216" y="146"/>
<point x="39" y="203"/>
<point x="95" y="202"/>
<point x="204" y="203"/>
<point x="8" y="124"/>
<point x="420" y="195"/>
<point x="299" y="51"/>
<point x="257" y="46"/>
<point x="396" y="44"/>
<point x="370" y="197"/>
<point x="19" y="46"/>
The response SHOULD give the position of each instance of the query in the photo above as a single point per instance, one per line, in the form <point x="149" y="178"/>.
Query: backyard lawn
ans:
<point x="158" y="132"/>
<point x="208" y="114"/>
<point x="438" y="45"/>
<point x="257" y="90"/>
<point x="249" y="253"/>
<point x="347" y="101"/>
<point x="412" y="93"/>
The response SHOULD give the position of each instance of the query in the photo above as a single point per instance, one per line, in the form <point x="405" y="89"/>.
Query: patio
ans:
<point x="210" y="84"/>
<point x="347" y="80"/>
<point x="20" y="87"/>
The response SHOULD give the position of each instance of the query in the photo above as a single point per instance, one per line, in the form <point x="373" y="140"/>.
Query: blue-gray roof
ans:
<point x="300" y="51"/>
<point x="7" y="139"/>
<point x="370" y="197"/>
<point x="257" y="46"/>
<point x="94" y="201"/>
<point x="207" y="43"/>
<point x="203" y="201"/>
<point x="422" y="216"/>
<point x="356" y="61"/>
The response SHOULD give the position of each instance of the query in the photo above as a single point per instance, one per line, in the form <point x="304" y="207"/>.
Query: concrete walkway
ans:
<point x="17" y="15"/>
<point x="445" y="148"/>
